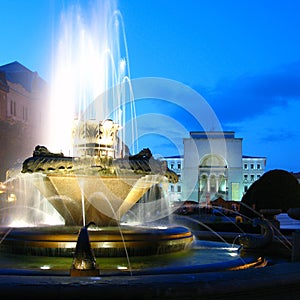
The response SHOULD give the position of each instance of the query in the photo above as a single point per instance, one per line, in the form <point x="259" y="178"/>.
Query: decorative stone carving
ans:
<point x="42" y="151"/>
<point x="44" y="161"/>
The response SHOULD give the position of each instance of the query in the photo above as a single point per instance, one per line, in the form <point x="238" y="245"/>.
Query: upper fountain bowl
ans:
<point x="95" y="185"/>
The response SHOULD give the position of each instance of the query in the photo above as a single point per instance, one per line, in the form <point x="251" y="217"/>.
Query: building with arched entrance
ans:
<point x="212" y="166"/>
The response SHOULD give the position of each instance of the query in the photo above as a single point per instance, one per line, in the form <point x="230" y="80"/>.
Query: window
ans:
<point x="252" y="166"/>
<point x="25" y="113"/>
<point x="179" y="166"/>
<point x="258" y="176"/>
<point x="245" y="177"/>
<point x="179" y="188"/>
<point x="258" y="166"/>
<point x="245" y="188"/>
<point x="252" y="177"/>
<point x="245" y="166"/>
<point x="172" y="188"/>
<point x="13" y="108"/>
<point x="172" y="166"/>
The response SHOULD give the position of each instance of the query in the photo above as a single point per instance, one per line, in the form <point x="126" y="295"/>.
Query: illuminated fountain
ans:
<point x="97" y="187"/>
<point x="100" y="181"/>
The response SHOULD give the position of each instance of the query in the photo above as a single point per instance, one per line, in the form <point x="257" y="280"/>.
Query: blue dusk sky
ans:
<point x="242" y="57"/>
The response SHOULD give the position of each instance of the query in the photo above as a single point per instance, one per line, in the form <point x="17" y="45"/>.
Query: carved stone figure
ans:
<point x="43" y="151"/>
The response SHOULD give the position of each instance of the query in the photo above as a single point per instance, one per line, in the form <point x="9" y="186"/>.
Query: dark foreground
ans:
<point x="271" y="282"/>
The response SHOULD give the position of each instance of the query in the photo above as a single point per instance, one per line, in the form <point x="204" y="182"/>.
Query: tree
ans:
<point x="276" y="189"/>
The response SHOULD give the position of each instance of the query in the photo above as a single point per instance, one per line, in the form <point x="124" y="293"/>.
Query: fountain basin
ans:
<point x="200" y="257"/>
<point x="105" y="242"/>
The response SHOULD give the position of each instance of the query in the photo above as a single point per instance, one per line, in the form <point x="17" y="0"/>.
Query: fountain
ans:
<point x="96" y="187"/>
<point x="87" y="196"/>
<point x="101" y="181"/>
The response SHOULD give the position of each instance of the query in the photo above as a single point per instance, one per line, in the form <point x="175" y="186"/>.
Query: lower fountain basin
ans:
<point x="201" y="257"/>
<point x="105" y="241"/>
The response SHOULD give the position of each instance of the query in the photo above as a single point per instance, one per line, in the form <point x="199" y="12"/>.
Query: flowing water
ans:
<point x="91" y="58"/>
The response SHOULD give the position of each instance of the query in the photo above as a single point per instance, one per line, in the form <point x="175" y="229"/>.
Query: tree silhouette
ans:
<point x="276" y="189"/>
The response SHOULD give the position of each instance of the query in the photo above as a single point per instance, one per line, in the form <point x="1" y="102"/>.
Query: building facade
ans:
<point x="253" y="169"/>
<point x="175" y="163"/>
<point x="4" y="89"/>
<point x="212" y="167"/>
<point x="23" y="95"/>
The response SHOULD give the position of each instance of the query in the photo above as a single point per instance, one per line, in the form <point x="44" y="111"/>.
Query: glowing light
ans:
<point x="95" y="229"/>
<point x="157" y="227"/>
<point x="54" y="220"/>
<point x="232" y="251"/>
<point x="230" y="248"/>
<point x="161" y="227"/>
<point x="20" y="223"/>
<point x="11" y="198"/>
<point x="67" y="245"/>
<point x="45" y="267"/>
<point x="233" y="254"/>
<point x="122" y="268"/>
<point x="106" y="245"/>
<point x="2" y="187"/>
<point x="131" y="223"/>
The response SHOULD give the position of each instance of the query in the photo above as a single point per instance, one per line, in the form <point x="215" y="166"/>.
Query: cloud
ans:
<point x="274" y="134"/>
<point x="263" y="109"/>
<point x="282" y="135"/>
<point x="254" y="94"/>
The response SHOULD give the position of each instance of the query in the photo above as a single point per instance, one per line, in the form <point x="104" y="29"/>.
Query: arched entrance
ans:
<point x="212" y="178"/>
